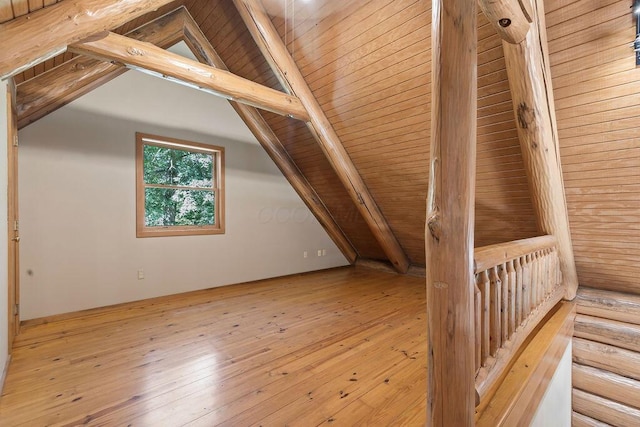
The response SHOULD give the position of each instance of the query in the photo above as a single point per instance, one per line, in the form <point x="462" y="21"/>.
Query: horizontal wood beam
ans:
<point x="157" y="61"/>
<point x="609" y="304"/>
<point x="58" y="86"/>
<point x="619" y="334"/>
<point x="606" y="384"/>
<point x="287" y="72"/>
<point x="604" y="356"/>
<point x="202" y="49"/>
<point x="605" y="410"/>
<point x="38" y="36"/>
<point x="580" y="420"/>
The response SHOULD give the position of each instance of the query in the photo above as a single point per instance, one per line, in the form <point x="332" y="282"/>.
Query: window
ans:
<point x="179" y="187"/>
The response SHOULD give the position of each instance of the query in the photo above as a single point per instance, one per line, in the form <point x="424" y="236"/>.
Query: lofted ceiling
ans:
<point x="368" y="65"/>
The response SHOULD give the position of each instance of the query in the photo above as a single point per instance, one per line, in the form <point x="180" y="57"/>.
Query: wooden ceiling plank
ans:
<point x="58" y="86"/>
<point x="159" y="62"/>
<point x="203" y="50"/>
<point x="283" y="65"/>
<point x="73" y="21"/>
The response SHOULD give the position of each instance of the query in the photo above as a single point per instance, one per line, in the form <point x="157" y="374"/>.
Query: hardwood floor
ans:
<point x="340" y="347"/>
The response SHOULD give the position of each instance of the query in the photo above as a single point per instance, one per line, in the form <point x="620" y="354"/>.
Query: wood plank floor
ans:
<point x="339" y="347"/>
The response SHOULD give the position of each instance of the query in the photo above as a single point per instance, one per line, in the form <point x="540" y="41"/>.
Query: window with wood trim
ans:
<point x="179" y="187"/>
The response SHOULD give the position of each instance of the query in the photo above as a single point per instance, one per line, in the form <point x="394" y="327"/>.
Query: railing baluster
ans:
<point x="518" y="268"/>
<point x="478" y="323"/>
<point x="511" y="274"/>
<point x="533" y="299"/>
<point x="496" y="299"/>
<point x="549" y="276"/>
<point x="485" y="289"/>
<point x="504" y="302"/>
<point x="526" y="286"/>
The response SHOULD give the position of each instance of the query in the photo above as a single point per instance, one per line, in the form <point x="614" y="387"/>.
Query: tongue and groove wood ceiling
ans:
<point x="368" y="65"/>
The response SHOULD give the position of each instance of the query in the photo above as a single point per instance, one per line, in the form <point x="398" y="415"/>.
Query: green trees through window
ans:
<point x="179" y="187"/>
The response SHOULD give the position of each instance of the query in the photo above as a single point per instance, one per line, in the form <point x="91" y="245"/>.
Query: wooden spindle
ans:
<point x="511" y="274"/>
<point x="504" y="302"/>
<point x="526" y="286"/>
<point x="494" y="311"/>
<point x="485" y="289"/>
<point x="518" y="305"/>
<point x="478" y="323"/>
<point x="549" y="275"/>
<point x="533" y="289"/>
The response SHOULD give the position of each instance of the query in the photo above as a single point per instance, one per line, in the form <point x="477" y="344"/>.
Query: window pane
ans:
<point x="167" y="207"/>
<point x="167" y="166"/>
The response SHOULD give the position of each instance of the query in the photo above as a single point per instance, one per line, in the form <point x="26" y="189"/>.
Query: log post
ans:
<point x="450" y="215"/>
<point x="287" y="72"/>
<point x="532" y="94"/>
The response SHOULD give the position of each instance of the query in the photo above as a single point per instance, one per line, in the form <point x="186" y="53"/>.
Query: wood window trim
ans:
<point x="145" y="231"/>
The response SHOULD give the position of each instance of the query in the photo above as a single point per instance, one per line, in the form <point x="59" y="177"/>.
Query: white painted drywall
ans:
<point x="4" y="256"/>
<point x="77" y="203"/>
<point x="555" y="407"/>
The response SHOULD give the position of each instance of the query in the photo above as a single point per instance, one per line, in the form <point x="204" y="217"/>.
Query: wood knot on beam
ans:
<point x="135" y="51"/>
<point x="525" y="115"/>
<point x="434" y="226"/>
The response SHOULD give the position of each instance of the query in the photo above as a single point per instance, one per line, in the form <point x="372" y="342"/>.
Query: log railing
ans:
<point x="517" y="284"/>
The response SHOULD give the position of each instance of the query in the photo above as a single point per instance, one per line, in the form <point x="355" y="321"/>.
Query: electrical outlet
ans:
<point x="305" y="254"/>
<point x="319" y="252"/>
<point x="140" y="274"/>
<point x="324" y="252"/>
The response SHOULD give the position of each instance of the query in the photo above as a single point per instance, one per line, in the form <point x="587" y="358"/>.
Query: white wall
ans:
<point x="4" y="289"/>
<point x="77" y="204"/>
<point x="555" y="407"/>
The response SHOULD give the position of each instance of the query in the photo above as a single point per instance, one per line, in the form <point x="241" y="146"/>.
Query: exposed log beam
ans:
<point x="205" y="53"/>
<point x="532" y="94"/>
<point x="157" y="61"/>
<point x="33" y="38"/>
<point x="450" y="215"/>
<point x="49" y="91"/>
<point x="287" y="72"/>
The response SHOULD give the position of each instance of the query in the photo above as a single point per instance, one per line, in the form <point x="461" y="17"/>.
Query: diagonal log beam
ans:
<point x="532" y="94"/>
<point x="450" y="215"/>
<point x="159" y="62"/>
<point x="285" y="69"/>
<point x="55" y="88"/>
<point x="38" y="36"/>
<point x="205" y="53"/>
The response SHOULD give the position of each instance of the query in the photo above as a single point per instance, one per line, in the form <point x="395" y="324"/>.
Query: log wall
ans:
<point x="606" y="359"/>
